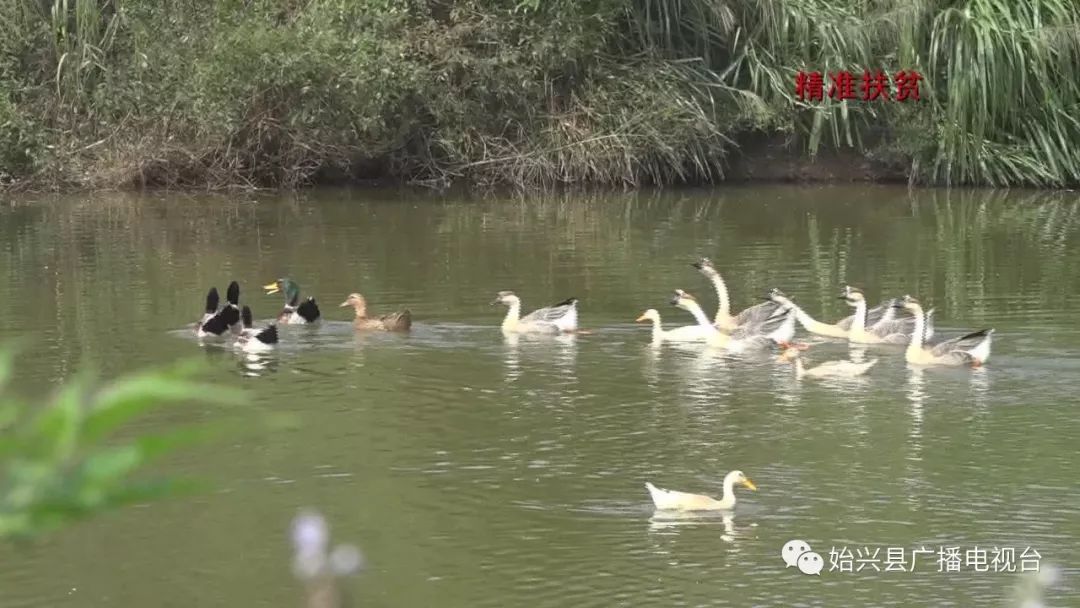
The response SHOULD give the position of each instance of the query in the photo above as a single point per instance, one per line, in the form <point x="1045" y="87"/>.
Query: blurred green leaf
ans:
<point x="59" y="463"/>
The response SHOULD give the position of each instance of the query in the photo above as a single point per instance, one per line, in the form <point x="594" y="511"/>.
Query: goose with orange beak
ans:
<point x="969" y="349"/>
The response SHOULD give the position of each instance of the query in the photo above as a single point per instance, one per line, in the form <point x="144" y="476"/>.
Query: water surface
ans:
<point x="476" y="471"/>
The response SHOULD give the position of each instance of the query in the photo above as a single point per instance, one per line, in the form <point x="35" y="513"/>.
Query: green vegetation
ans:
<point x="528" y="93"/>
<point x="62" y="461"/>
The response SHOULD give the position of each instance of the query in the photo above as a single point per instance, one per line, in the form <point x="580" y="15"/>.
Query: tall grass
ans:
<point x="1008" y="94"/>
<point x="1001" y="75"/>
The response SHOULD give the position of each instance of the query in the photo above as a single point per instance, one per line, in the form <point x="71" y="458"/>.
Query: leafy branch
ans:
<point x="66" y="460"/>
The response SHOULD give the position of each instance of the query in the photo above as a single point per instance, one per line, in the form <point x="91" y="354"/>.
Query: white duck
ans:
<point x="972" y="348"/>
<point x="559" y="318"/>
<point x="828" y="369"/>
<point x="686" y="333"/>
<point x="673" y="500"/>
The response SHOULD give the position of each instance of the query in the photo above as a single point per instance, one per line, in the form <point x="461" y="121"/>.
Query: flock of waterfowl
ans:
<point x="232" y="321"/>
<point x="769" y="324"/>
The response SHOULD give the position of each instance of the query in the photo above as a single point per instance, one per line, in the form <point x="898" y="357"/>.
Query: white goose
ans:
<point x="886" y="330"/>
<point x="560" y="318"/>
<point x="970" y="349"/>
<point x="828" y="369"/>
<point x="724" y="320"/>
<point x="673" y="500"/>
<point x="841" y="328"/>
<point x="779" y="327"/>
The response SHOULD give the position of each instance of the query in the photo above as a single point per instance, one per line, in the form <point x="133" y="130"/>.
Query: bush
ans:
<point x="527" y="92"/>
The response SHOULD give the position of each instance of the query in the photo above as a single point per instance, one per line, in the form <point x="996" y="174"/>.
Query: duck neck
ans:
<point x="804" y="319"/>
<point x="917" y="335"/>
<point x="292" y="295"/>
<point x="360" y="308"/>
<point x="858" y="323"/>
<point x="657" y="330"/>
<point x="699" y="315"/>
<point x="729" y="491"/>
<point x="513" y="313"/>
<point x="723" y="310"/>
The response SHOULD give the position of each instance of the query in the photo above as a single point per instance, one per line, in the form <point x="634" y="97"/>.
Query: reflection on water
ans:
<point x="980" y="387"/>
<point x="557" y="352"/>
<point x="257" y="364"/>
<point x="916" y="395"/>
<point x="662" y="521"/>
<point x="477" y="470"/>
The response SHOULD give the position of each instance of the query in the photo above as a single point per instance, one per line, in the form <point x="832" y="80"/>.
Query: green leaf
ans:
<point x="131" y="397"/>
<point x="55" y="466"/>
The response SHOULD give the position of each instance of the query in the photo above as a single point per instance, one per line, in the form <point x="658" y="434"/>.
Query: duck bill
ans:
<point x="749" y="484"/>
<point x="344" y="304"/>
<point x="640" y="319"/>
<point x="272" y="288"/>
<point x="494" y="302"/>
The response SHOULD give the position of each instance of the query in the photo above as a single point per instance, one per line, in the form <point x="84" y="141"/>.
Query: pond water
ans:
<point x="476" y="471"/>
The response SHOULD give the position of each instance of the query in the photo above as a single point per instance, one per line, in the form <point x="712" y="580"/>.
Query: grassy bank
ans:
<point x="527" y="93"/>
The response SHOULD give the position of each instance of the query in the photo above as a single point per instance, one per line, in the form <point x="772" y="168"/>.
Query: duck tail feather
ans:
<point x="308" y="310"/>
<point x="212" y="301"/>
<point x="217" y="324"/>
<point x="976" y="334"/>
<point x="232" y="294"/>
<point x="268" y="335"/>
<point x="230" y="315"/>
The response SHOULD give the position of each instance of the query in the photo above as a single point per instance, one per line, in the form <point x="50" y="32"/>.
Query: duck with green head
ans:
<point x="295" y="312"/>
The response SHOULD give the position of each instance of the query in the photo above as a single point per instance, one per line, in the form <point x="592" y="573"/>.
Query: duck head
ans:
<point x="286" y="286"/>
<point x="358" y="303"/>
<point x="505" y="297"/>
<point x="852" y="295"/>
<point x="649" y="315"/>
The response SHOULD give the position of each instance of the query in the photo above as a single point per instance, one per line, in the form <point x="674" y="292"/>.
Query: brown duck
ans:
<point x="395" y="321"/>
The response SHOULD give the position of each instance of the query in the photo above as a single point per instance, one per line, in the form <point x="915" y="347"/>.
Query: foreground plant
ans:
<point x="60" y="462"/>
